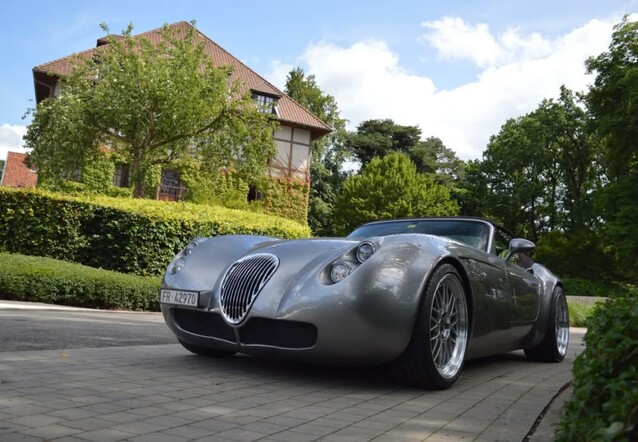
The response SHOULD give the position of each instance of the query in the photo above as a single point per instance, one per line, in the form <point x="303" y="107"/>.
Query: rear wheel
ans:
<point x="553" y="347"/>
<point x="436" y="352"/>
<point x="205" y="351"/>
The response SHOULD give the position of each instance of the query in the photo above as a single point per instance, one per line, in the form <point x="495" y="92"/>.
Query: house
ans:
<point x="17" y="171"/>
<point x="298" y="126"/>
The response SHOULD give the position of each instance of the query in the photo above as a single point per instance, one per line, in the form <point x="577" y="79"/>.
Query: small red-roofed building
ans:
<point x="18" y="172"/>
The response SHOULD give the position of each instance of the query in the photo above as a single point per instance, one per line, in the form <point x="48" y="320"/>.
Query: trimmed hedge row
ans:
<point x="125" y="235"/>
<point x="606" y="289"/>
<point x="35" y="279"/>
<point x="604" y="403"/>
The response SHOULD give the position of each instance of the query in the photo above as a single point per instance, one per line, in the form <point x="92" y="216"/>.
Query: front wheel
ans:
<point x="205" y="351"/>
<point x="436" y="352"/>
<point x="553" y="347"/>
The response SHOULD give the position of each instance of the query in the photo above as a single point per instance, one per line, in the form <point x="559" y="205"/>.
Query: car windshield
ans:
<point x="473" y="233"/>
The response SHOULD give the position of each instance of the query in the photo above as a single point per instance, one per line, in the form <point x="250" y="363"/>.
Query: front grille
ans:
<point x="243" y="282"/>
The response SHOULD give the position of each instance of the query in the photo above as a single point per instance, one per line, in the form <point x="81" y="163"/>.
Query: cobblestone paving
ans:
<point x="163" y="393"/>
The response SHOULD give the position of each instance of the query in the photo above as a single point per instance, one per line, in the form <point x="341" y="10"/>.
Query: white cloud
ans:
<point x="11" y="139"/>
<point x="367" y="80"/>
<point x="518" y="72"/>
<point x="279" y="72"/>
<point x="453" y="38"/>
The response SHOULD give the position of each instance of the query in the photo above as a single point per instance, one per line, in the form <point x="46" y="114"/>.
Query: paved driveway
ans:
<point x="161" y="392"/>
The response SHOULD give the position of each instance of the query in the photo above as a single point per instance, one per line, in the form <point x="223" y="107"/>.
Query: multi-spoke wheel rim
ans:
<point x="562" y="324"/>
<point x="448" y="326"/>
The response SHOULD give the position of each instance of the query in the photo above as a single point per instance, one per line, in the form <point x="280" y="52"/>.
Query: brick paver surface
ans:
<point x="163" y="393"/>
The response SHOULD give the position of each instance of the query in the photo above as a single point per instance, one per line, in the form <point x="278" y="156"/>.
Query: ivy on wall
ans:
<point x="286" y="197"/>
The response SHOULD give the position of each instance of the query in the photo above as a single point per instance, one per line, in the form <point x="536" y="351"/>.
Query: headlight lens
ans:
<point x="179" y="265"/>
<point x="189" y="248"/>
<point x="365" y="251"/>
<point x="339" y="272"/>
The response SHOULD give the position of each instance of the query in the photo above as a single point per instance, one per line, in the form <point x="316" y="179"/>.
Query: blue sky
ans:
<point x="458" y="69"/>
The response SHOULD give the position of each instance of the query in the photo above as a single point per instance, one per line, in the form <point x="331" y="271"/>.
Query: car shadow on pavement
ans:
<point x="276" y="369"/>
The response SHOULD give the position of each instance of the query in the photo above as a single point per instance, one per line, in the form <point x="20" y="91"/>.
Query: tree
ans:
<point x="540" y="172"/>
<point x="613" y="102"/>
<point x="377" y="138"/>
<point x="390" y="187"/>
<point x="328" y="152"/>
<point x="431" y="156"/>
<point x="153" y="105"/>
<point x="1" y="169"/>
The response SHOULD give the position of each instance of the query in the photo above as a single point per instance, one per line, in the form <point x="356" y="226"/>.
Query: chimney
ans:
<point x="105" y="40"/>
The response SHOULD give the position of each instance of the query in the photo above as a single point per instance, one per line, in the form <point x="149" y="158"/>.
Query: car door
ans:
<point x="523" y="285"/>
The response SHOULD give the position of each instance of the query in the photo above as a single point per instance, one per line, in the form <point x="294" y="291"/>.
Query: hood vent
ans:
<point x="243" y="282"/>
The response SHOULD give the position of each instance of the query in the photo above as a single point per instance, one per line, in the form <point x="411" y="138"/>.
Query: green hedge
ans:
<point x="604" y="403"/>
<point x="125" y="235"/>
<point x="605" y="289"/>
<point x="35" y="279"/>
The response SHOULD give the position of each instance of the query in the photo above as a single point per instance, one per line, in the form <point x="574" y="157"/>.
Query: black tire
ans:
<point x="553" y="347"/>
<point x="206" y="351"/>
<point x="417" y="366"/>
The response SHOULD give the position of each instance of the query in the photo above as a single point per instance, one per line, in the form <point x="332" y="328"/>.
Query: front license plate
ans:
<point x="179" y="297"/>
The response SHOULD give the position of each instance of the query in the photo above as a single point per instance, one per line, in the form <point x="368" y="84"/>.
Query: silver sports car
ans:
<point x="422" y="295"/>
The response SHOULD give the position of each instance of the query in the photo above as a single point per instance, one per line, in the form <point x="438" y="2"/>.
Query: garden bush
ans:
<point x="125" y="235"/>
<point x="36" y="279"/>
<point x="605" y="289"/>
<point x="604" y="403"/>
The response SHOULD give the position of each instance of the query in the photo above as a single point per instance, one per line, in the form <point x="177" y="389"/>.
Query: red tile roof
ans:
<point x="17" y="172"/>
<point x="288" y="109"/>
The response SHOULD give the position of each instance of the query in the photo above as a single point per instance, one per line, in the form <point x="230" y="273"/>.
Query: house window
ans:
<point x="75" y="171"/>
<point x="121" y="177"/>
<point x="170" y="178"/>
<point x="171" y="188"/>
<point x="265" y="104"/>
<point x="254" y="194"/>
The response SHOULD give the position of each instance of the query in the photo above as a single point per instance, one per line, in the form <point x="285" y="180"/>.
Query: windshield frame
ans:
<point x="487" y="246"/>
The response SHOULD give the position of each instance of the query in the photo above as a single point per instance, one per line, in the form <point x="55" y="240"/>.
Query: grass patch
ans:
<point x="579" y="314"/>
<point x="37" y="279"/>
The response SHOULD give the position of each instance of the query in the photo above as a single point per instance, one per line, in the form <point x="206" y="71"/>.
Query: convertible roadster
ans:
<point x="422" y="295"/>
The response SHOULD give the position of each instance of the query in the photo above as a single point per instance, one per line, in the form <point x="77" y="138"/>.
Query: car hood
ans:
<point x="208" y="263"/>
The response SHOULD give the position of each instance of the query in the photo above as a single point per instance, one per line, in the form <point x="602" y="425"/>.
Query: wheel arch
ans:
<point x="411" y="367"/>
<point x="465" y="280"/>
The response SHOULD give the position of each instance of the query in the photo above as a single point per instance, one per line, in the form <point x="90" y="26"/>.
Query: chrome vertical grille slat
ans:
<point x="243" y="282"/>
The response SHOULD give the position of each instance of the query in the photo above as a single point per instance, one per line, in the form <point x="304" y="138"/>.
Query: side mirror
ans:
<point x="520" y="245"/>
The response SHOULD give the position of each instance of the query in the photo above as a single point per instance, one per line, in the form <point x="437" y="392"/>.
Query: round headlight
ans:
<point x="365" y="251"/>
<point x="179" y="265"/>
<point x="339" y="272"/>
<point x="189" y="248"/>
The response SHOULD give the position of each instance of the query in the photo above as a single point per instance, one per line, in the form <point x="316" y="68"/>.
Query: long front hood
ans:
<point x="208" y="263"/>
<point x="296" y="254"/>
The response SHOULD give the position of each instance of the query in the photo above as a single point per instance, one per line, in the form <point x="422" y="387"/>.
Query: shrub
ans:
<point x="35" y="279"/>
<point x="578" y="254"/>
<point x="130" y="236"/>
<point x="604" y="403"/>
<point x="585" y="287"/>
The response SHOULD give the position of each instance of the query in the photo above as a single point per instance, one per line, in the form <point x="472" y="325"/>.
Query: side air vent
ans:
<point x="243" y="282"/>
